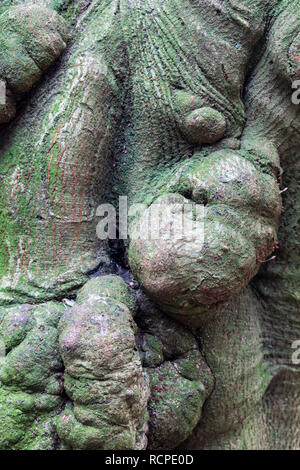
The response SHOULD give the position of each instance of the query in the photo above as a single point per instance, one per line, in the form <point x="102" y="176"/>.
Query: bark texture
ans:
<point x="152" y="343"/>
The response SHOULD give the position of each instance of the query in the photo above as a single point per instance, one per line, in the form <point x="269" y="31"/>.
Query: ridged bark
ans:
<point x="163" y="101"/>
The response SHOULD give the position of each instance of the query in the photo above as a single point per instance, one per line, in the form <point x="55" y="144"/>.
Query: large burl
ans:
<point x="170" y="103"/>
<point x="103" y="372"/>
<point x="199" y="147"/>
<point x="31" y="38"/>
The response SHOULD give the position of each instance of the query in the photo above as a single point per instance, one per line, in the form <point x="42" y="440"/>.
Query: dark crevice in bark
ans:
<point x="118" y="254"/>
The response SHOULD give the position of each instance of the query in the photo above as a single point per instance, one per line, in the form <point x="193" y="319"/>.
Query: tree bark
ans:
<point x="166" y="342"/>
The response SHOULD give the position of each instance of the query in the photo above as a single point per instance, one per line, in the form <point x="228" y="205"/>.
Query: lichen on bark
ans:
<point x="173" y="342"/>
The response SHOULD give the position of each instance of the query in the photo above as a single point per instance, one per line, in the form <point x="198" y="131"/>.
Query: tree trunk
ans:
<point x="178" y="340"/>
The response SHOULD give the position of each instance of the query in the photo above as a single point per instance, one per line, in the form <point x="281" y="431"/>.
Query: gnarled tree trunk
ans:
<point x="149" y="342"/>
